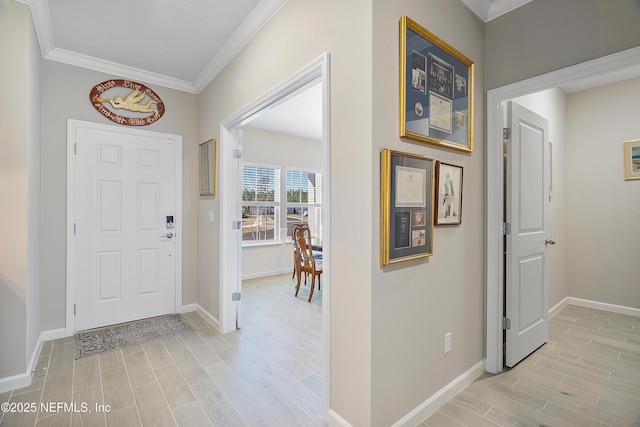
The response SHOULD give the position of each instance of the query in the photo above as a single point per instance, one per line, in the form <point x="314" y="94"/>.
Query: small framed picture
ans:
<point x="631" y="160"/>
<point x="208" y="168"/>
<point x="406" y="207"/>
<point x="448" y="204"/>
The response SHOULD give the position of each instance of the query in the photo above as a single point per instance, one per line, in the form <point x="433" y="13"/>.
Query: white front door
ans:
<point x="526" y="263"/>
<point x="125" y="226"/>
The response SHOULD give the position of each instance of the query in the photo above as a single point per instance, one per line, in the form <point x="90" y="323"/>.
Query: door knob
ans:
<point x="549" y="242"/>
<point x="168" y="235"/>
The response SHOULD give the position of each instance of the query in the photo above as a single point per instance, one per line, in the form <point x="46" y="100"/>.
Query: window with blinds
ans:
<point x="260" y="203"/>
<point x="304" y="201"/>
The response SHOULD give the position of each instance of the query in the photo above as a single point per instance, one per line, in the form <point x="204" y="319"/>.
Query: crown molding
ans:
<point x="259" y="16"/>
<point x="120" y="70"/>
<point x="488" y="10"/>
<point x="479" y="7"/>
<point x="501" y="7"/>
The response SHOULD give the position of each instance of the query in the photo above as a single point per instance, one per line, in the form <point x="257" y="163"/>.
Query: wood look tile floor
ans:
<point x="587" y="374"/>
<point x="269" y="373"/>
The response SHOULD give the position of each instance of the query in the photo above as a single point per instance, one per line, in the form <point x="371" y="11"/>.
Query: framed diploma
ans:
<point x="407" y="185"/>
<point x="436" y="90"/>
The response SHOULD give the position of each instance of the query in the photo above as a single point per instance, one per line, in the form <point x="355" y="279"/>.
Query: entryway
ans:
<point x="604" y="70"/>
<point x="231" y="206"/>
<point x="124" y="235"/>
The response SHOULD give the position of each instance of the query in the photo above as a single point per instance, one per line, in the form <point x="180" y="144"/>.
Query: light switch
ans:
<point x="211" y="217"/>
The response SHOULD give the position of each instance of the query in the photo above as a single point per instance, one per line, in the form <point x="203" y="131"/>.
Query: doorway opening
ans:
<point x="609" y="69"/>
<point x="234" y="131"/>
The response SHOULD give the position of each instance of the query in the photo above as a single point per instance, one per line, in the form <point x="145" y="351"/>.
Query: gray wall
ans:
<point x="65" y="95"/>
<point x="548" y="35"/>
<point x="34" y="326"/>
<point x="602" y="207"/>
<point x="415" y="303"/>
<point x="19" y="189"/>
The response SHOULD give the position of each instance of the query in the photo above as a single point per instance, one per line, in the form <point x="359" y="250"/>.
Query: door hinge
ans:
<point x="74" y="229"/>
<point x="237" y="154"/>
<point x="236" y="296"/>
<point x="506" y="323"/>
<point x="506" y="228"/>
<point x="506" y="133"/>
<point x="74" y="309"/>
<point x="75" y="148"/>
<point x="236" y="225"/>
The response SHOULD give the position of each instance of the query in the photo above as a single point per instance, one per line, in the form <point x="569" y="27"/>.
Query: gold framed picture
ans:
<point x="406" y="230"/>
<point x="436" y="90"/>
<point x="631" y="160"/>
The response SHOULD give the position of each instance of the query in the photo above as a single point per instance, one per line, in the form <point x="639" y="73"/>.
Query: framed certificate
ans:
<point x="436" y="90"/>
<point x="407" y="182"/>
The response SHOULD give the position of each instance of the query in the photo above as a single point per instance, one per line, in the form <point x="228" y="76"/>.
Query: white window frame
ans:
<point x="317" y="231"/>
<point x="276" y="204"/>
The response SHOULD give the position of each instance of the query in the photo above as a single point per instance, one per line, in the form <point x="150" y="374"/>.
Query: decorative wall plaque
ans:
<point x="126" y="102"/>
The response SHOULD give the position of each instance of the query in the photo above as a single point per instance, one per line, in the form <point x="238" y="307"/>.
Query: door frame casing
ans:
<point x="316" y="70"/>
<point x="72" y="125"/>
<point x="621" y="66"/>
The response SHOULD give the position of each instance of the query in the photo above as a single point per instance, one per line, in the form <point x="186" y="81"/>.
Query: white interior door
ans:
<point x="526" y="263"/>
<point x="125" y="224"/>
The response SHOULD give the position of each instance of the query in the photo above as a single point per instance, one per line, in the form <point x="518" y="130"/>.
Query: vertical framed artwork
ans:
<point x="448" y="210"/>
<point x="631" y="160"/>
<point x="406" y="230"/>
<point x="436" y="90"/>
<point x="208" y="168"/>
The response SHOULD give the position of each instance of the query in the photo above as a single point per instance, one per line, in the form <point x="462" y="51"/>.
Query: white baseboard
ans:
<point x="431" y="405"/>
<point x="53" y="334"/>
<point x="215" y="323"/>
<point x="23" y="380"/>
<point x="336" y="420"/>
<point x="188" y="308"/>
<point x="267" y="273"/>
<point x="620" y="309"/>
<point x="558" y="307"/>
<point x="14" y="382"/>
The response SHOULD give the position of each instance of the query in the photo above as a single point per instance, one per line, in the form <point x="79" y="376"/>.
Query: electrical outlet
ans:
<point x="447" y="342"/>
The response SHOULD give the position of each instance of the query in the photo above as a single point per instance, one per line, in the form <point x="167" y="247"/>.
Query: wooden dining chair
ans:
<point x="295" y="249"/>
<point x="303" y="255"/>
